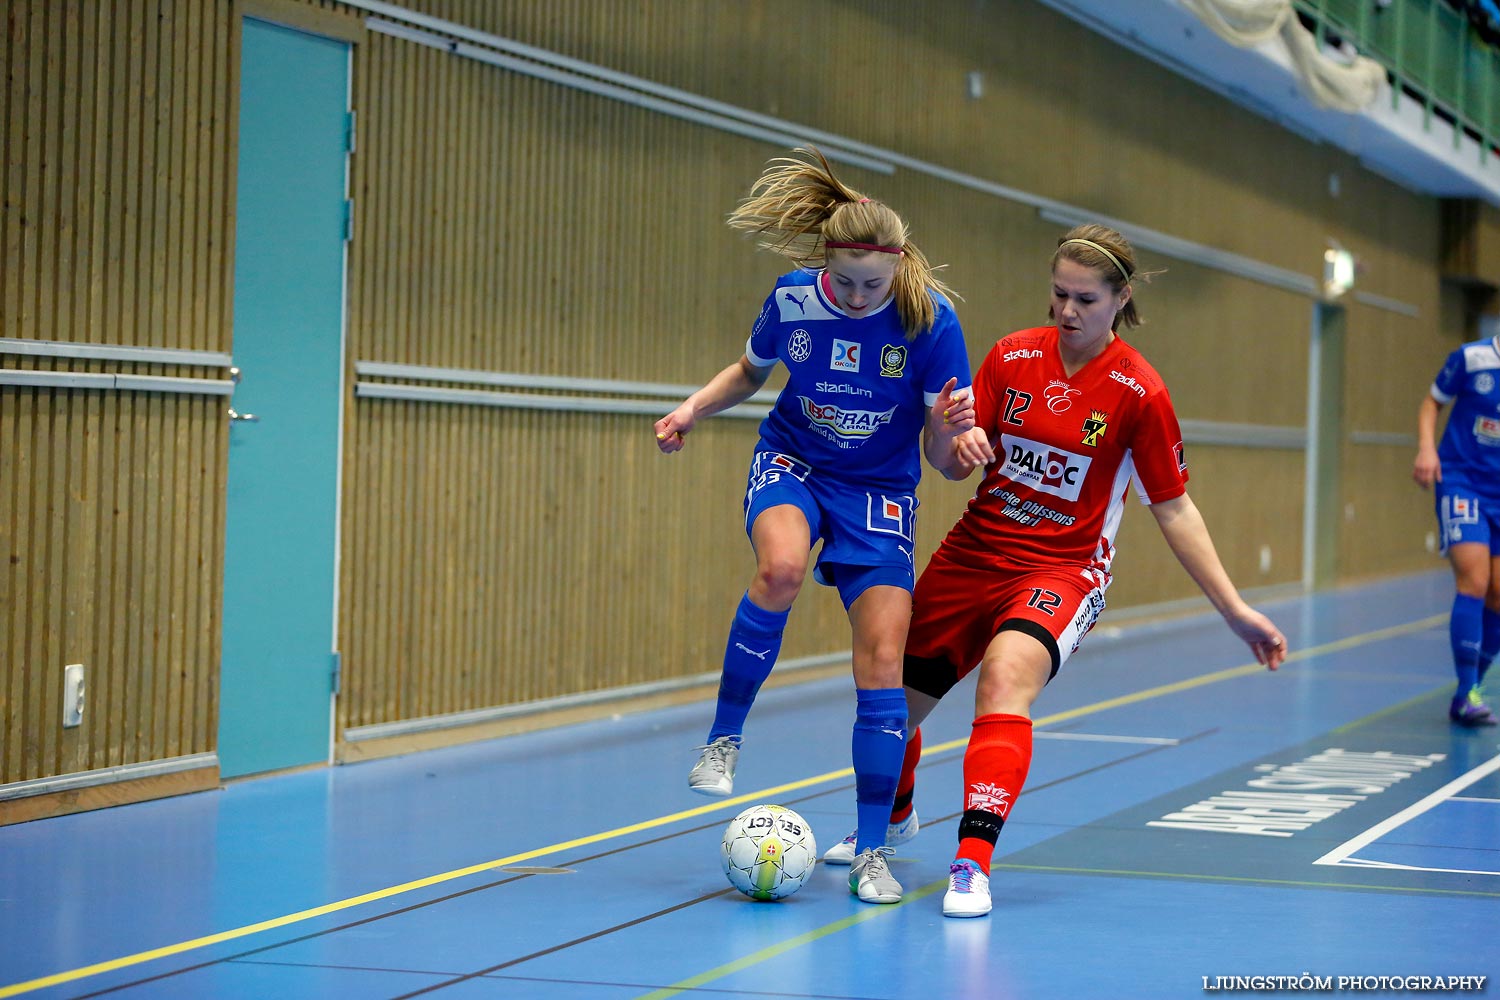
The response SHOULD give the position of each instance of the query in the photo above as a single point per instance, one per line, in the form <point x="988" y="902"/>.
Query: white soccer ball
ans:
<point x="768" y="852"/>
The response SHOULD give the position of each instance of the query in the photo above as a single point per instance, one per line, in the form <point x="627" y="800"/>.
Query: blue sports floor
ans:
<point x="1188" y="817"/>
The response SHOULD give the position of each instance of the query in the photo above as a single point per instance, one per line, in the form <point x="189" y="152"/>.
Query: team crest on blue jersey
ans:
<point x="845" y="356"/>
<point x="1484" y="382"/>
<point x="893" y="360"/>
<point x="799" y="346"/>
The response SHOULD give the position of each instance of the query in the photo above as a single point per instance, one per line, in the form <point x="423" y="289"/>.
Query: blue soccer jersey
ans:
<point x="857" y="393"/>
<point x="1470" y="448"/>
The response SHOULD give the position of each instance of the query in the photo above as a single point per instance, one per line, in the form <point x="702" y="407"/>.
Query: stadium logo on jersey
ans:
<point x="1487" y="430"/>
<point x="1043" y="467"/>
<point x="845" y="388"/>
<point x="1128" y="383"/>
<point x="1059" y="395"/>
<point x="893" y="360"/>
<point x="799" y="346"/>
<point x="1484" y="382"/>
<point x="1094" y="427"/>
<point x="845" y="356"/>
<point x="988" y="798"/>
<point x="800" y="303"/>
<point x="845" y="423"/>
<point x="1020" y="354"/>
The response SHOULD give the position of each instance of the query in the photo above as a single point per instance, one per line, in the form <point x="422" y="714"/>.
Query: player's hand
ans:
<point x="671" y="430"/>
<point x="1264" y="638"/>
<point x="973" y="449"/>
<point x="1427" y="470"/>
<point x="953" y="412"/>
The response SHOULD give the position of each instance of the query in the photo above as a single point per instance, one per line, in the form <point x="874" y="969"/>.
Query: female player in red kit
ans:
<point x="1069" y="415"/>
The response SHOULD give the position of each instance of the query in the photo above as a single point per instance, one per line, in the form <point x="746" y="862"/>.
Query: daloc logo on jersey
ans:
<point x="1043" y="467"/>
<point x="893" y="360"/>
<point x="845" y="356"/>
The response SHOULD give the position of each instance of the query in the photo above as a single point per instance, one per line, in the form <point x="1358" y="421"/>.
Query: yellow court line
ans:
<point x="771" y="951"/>
<point x="762" y="795"/>
<point x="1339" y="645"/>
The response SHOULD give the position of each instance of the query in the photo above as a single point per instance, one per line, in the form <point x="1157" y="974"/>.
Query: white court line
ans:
<point x="1160" y="741"/>
<point x="1362" y="863"/>
<point x="1338" y="854"/>
<point x="1474" y="798"/>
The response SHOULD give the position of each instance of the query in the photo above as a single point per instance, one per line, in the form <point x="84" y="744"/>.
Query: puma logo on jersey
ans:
<point x="744" y="648"/>
<point x="801" y="303"/>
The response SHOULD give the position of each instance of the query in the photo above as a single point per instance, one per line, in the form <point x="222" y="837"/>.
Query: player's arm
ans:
<point x="1426" y="470"/>
<point x="729" y="388"/>
<point x="951" y="442"/>
<point x="1186" y="534"/>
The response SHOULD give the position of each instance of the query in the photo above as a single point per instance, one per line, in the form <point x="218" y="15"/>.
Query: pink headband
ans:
<point x="863" y="246"/>
<point x="874" y="247"/>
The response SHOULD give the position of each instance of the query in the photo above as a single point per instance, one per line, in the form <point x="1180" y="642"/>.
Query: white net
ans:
<point x="1345" y="82"/>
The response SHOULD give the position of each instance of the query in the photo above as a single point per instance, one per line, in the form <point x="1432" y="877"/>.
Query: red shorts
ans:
<point x="957" y="610"/>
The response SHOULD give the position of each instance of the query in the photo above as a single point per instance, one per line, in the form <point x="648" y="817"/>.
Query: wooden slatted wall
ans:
<point x="539" y="229"/>
<point x="115" y="230"/>
<point x="498" y="556"/>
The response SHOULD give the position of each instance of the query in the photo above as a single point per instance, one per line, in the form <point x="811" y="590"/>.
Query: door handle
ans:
<point x="249" y="418"/>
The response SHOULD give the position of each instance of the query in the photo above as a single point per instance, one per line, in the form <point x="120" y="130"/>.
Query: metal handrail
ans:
<point x="1432" y="54"/>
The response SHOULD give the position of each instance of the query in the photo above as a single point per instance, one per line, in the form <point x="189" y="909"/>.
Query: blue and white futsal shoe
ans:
<point x="968" y="892"/>
<point x="896" y="834"/>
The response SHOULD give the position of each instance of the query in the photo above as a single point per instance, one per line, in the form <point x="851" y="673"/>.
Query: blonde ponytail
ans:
<point x="800" y="206"/>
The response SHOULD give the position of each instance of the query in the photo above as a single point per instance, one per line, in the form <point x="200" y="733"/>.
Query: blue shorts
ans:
<point x="1464" y="516"/>
<point x="866" y="534"/>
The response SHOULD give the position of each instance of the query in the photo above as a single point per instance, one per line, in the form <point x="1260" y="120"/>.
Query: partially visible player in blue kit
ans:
<point x="1465" y="468"/>
<point x="876" y="363"/>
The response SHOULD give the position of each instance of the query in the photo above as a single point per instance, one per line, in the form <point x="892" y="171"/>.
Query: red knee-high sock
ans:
<point x="901" y="808"/>
<point x="995" y="767"/>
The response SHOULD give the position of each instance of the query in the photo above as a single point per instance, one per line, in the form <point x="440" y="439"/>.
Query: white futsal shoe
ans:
<point x="968" y="892"/>
<point x="870" y="877"/>
<point x="714" y="772"/>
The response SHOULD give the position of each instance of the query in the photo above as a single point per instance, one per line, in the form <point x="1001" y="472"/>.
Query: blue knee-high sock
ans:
<point x="1489" y="645"/>
<point x="749" y="655"/>
<point x="879" y="745"/>
<point x="1465" y="629"/>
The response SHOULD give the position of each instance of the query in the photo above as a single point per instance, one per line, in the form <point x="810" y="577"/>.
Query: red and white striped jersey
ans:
<point x="1066" y="449"/>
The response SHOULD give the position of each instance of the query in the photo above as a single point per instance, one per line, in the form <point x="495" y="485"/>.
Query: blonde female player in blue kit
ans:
<point x="876" y="362"/>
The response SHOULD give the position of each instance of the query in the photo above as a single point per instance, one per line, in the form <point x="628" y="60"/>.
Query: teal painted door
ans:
<point x="281" y="519"/>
